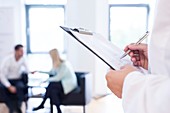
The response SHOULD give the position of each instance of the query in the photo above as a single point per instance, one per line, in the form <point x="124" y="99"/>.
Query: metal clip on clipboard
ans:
<point x="82" y="31"/>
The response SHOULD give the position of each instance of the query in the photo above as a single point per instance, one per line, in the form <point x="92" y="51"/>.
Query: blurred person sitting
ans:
<point x="12" y="84"/>
<point x="62" y="80"/>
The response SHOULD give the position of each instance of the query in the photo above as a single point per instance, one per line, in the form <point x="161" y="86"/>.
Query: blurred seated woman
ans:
<point x="62" y="81"/>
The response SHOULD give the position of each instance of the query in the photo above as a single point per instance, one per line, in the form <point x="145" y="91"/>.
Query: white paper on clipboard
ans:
<point x="102" y="48"/>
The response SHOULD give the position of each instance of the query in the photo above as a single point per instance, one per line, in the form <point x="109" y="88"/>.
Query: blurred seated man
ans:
<point x="11" y="80"/>
<point x="62" y="81"/>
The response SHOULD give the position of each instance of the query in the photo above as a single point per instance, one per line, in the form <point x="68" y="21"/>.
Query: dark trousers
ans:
<point x="13" y="101"/>
<point x="54" y="91"/>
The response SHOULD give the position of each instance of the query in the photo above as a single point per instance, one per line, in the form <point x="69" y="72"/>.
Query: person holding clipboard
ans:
<point x="146" y="92"/>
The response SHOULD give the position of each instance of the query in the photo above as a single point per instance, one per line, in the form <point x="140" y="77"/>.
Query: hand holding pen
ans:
<point x="138" y="42"/>
<point x="138" y="53"/>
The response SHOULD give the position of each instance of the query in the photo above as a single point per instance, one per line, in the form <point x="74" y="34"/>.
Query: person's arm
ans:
<point x="44" y="72"/>
<point x="60" y="74"/>
<point x="146" y="93"/>
<point x="25" y="64"/>
<point x="52" y="72"/>
<point x="4" y="72"/>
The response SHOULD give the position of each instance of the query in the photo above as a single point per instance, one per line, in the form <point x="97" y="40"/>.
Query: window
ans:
<point x="128" y="22"/>
<point x="43" y="32"/>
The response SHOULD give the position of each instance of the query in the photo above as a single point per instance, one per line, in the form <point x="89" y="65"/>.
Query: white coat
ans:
<point x="150" y="93"/>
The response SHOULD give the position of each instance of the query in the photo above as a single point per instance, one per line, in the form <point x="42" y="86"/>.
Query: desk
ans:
<point x="35" y="89"/>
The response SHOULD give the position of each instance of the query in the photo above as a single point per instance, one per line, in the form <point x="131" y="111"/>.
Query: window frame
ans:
<point x="27" y="7"/>
<point x="128" y="5"/>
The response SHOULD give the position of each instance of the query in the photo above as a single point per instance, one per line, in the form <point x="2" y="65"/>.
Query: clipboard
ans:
<point x="99" y="46"/>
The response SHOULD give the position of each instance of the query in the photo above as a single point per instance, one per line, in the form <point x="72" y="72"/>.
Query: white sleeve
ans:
<point x="146" y="93"/>
<point x="3" y="73"/>
<point x="25" y="64"/>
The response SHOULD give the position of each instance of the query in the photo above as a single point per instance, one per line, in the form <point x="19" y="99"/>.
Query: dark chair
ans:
<point x="80" y="96"/>
<point x="25" y="81"/>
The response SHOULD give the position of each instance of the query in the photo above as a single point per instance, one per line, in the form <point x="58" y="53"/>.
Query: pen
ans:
<point x="138" y="42"/>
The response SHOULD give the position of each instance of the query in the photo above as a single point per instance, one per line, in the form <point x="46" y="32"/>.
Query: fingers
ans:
<point x="136" y="61"/>
<point x="12" y="89"/>
<point x="127" y="47"/>
<point x="134" y="47"/>
<point x="135" y="57"/>
<point x="114" y="83"/>
<point x="135" y="54"/>
<point x="134" y="51"/>
<point x="139" y="47"/>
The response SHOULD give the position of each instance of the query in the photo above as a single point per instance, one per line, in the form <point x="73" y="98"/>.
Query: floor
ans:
<point x="107" y="104"/>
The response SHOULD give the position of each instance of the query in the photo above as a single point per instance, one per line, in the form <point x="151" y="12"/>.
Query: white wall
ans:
<point x="93" y="15"/>
<point x="11" y="17"/>
<point x="102" y="27"/>
<point x="90" y="14"/>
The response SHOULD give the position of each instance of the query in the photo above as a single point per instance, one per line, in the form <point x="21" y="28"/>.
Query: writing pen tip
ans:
<point x="122" y="57"/>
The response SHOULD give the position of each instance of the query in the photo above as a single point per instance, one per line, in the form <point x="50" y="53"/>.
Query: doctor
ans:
<point x="147" y="93"/>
